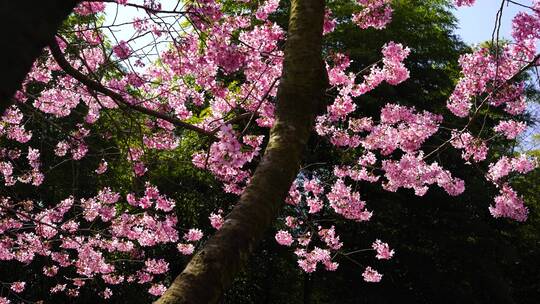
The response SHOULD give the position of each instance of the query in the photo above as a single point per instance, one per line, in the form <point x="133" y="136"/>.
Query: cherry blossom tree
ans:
<point x="251" y="94"/>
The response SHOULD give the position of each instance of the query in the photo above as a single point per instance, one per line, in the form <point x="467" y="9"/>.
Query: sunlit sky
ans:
<point x="476" y="23"/>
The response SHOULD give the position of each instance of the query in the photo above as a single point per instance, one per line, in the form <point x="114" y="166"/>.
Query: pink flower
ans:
<point x="186" y="249"/>
<point x="383" y="251"/>
<point x="308" y="260"/>
<point x="18" y="287"/>
<point x="107" y="293"/>
<point x="376" y="14"/>
<point x="216" y="220"/>
<point x="165" y="204"/>
<point x="284" y="238"/>
<point x="135" y="154"/>
<point x="88" y="8"/>
<point x="308" y="266"/>
<point x="524" y="164"/>
<point x="193" y="235"/>
<point x="291" y="222"/>
<point x="267" y="8"/>
<point x="330" y="266"/>
<point x="61" y="148"/>
<point x="510" y="128"/>
<point x="329" y="23"/>
<point x="313" y="186"/>
<point x="371" y="275"/>
<point x="50" y="271"/>
<point x="315" y="205"/>
<point x="122" y="50"/>
<point x="102" y="167"/>
<point x="505" y="166"/>
<point x="330" y="238"/>
<point x="474" y="148"/>
<point x="156" y="266"/>
<point x="508" y="204"/>
<point x="58" y="288"/>
<point x="139" y="168"/>
<point x="157" y="289"/>
<point x="347" y="203"/>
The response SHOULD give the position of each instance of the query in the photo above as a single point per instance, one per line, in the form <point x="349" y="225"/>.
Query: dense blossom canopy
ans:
<point x="185" y="88"/>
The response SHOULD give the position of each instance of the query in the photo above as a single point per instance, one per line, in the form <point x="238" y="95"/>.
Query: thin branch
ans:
<point x="98" y="87"/>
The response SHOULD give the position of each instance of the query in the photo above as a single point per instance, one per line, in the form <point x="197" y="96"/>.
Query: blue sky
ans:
<point x="476" y="23"/>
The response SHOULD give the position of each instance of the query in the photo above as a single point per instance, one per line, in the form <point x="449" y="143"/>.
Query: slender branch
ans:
<point x="98" y="87"/>
<point x="146" y="8"/>
<point x="532" y="63"/>
<point x="522" y="5"/>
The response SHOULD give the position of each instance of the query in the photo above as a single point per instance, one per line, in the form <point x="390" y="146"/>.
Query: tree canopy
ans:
<point x="301" y="151"/>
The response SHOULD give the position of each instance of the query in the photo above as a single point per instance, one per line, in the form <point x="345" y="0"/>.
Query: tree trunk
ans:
<point x="300" y="93"/>
<point x="27" y="26"/>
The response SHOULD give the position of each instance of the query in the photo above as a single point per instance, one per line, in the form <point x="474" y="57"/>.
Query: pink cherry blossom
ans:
<point x="156" y="266"/>
<point x="102" y="168"/>
<point x="376" y="13"/>
<point x="216" y="219"/>
<point x="122" y="50"/>
<point x="157" y="289"/>
<point x="88" y="8"/>
<point x="107" y="293"/>
<point x="383" y="250"/>
<point x="371" y="275"/>
<point x="193" y="235"/>
<point x="330" y="237"/>
<point x="510" y="128"/>
<point x="186" y="249"/>
<point x="18" y="287"/>
<point x="284" y="238"/>
<point x="188" y="84"/>
<point x="508" y="204"/>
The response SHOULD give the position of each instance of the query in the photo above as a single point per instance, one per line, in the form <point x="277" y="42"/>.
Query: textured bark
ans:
<point x="26" y="26"/>
<point x="300" y="93"/>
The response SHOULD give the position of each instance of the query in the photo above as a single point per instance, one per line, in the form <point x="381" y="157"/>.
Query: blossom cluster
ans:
<point x="488" y="79"/>
<point x="488" y="73"/>
<point x="508" y="203"/>
<point x="10" y="161"/>
<point x="83" y="239"/>
<point x="392" y="71"/>
<point x="54" y="234"/>
<point x="310" y="201"/>
<point x="375" y="13"/>
<point x="227" y="158"/>
<point x="94" y="236"/>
